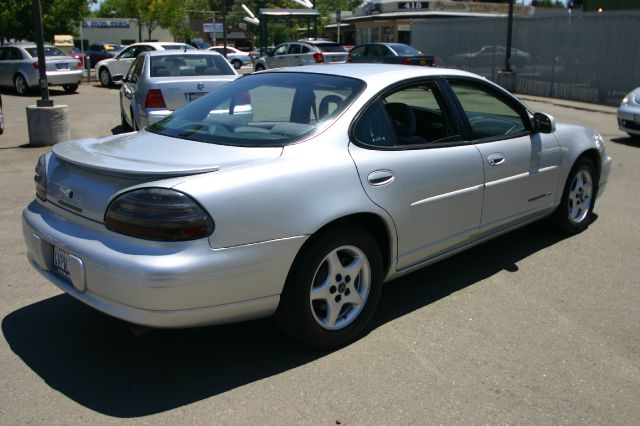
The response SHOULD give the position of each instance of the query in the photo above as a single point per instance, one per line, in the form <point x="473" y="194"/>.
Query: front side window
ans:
<point x="131" y="52"/>
<point x="282" y="50"/>
<point x="358" y="51"/>
<point x="488" y="115"/>
<point x="271" y="109"/>
<point x="294" y="49"/>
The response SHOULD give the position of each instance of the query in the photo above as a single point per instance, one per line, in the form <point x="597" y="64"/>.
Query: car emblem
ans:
<point x="200" y="86"/>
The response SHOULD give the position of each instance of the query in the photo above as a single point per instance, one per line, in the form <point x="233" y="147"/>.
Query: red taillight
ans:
<point x="36" y="65"/>
<point x="406" y="61"/>
<point x="318" y="57"/>
<point x="80" y="65"/>
<point x="154" y="99"/>
<point x="349" y="58"/>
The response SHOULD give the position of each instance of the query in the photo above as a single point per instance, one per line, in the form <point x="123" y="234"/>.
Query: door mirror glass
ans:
<point x="545" y="123"/>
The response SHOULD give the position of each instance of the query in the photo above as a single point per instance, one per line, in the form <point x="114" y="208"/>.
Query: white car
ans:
<point x="238" y="58"/>
<point x="119" y="65"/>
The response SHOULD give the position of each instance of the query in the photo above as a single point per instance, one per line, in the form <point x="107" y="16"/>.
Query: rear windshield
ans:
<point x="48" y="51"/>
<point x="185" y="65"/>
<point x="177" y="46"/>
<point x="330" y="47"/>
<point x="403" y="49"/>
<point x="267" y="109"/>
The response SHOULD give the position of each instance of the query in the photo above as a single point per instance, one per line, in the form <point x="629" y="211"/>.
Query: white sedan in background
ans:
<point x="119" y="65"/>
<point x="629" y="113"/>
<point x="238" y="58"/>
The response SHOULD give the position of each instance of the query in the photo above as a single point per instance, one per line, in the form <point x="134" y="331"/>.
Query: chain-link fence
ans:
<point x="579" y="56"/>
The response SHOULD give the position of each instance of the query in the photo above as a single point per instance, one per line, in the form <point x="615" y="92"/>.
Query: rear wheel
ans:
<point x="105" y="77"/>
<point x="70" y="87"/>
<point x="333" y="289"/>
<point x="21" y="85"/>
<point x="123" y="120"/>
<point x="573" y="215"/>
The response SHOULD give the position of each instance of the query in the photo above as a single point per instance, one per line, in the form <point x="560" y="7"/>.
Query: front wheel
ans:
<point x="105" y="77"/>
<point x="333" y="289"/>
<point x="70" y="87"/>
<point x="260" y="67"/>
<point x="21" y="85"/>
<point x="237" y="64"/>
<point x="573" y="215"/>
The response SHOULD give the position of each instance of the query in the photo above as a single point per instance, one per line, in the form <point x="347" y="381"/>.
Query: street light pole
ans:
<point x="42" y="65"/>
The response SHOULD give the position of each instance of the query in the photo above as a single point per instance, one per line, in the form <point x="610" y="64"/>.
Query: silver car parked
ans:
<point x="629" y="113"/>
<point x="302" y="52"/>
<point x="19" y="68"/>
<point x="160" y="82"/>
<point x="340" y="178"/>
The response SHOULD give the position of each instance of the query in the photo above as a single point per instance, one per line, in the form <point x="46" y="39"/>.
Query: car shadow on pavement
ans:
<point x="628" y="141"/>
<point x="96" y="361"/>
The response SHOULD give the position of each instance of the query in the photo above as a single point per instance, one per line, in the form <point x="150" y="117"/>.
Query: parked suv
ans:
<point x="19" y="68"/>
<point x="302" y="52"/>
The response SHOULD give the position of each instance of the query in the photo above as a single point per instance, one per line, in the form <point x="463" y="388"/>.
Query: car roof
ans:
<point x="159" y="43"/>
<point x="376" y="72"/>
<point x="181" y="52"/>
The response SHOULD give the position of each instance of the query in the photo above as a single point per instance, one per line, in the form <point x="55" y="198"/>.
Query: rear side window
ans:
<point x="402" y="49"/>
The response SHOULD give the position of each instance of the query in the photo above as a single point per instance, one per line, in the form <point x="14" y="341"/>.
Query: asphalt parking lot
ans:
<point x="530" y="328"/>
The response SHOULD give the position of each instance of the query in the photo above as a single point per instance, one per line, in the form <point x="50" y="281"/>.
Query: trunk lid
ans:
<point x="179" y="92"/>
<point x="84" y="175"/>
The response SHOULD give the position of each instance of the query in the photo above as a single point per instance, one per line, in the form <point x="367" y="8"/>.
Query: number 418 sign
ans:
<point x="414" y="5"/>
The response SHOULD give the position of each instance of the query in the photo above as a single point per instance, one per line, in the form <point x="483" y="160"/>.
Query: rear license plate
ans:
<point x="62" y="66"/>
<point x="61" y="261"/>
<point x="197" y="95"/>
<point x="423" y="62"/>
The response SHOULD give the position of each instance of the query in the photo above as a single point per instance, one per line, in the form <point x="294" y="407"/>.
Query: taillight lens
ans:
<point x="318" y="57"/>
<point x="159" y="214"/>
<point x="154" y="99"/>
<point x="406" y="61"/>
<point x="349" y="58"/>
<point x="80" y="65"/>
<point x="41" y="178"/>
<point x="36" y="65"/>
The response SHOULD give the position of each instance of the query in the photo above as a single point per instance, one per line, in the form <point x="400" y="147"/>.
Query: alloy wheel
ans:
<point x="580" y="196"/>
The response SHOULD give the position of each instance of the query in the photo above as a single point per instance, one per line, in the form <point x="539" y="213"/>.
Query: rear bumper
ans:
<point x="148" y="117"/>
<point x="154" y="283"/>
<point x="56" y="78"/>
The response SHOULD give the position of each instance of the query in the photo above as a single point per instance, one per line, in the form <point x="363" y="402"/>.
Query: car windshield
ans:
<point x="330" y="47"/>
<point x="181" y="65"/>
<point x="403" y="49"/>
<point x="48" y="51"/>
<point x="268" y="109"/>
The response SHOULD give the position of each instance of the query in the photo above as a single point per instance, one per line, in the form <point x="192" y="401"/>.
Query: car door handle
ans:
<point x="380" y="177"/>
<point x="496" y="159"/>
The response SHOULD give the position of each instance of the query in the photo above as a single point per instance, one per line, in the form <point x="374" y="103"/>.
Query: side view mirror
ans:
<point x="545" y="123"/>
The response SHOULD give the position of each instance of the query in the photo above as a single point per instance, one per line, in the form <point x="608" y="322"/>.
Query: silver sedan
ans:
<point x="330" y="181"/>
<point x="159" y="82"/>
<point x="629" y="113"/>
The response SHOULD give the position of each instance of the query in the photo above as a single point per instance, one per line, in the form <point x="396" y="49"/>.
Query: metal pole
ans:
<point x="338" y="22"/>
<point x="507" y="60"/>
<point x="224" y="26"/>
<point x="42" y="65"/>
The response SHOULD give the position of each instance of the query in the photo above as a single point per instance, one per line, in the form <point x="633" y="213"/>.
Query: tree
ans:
<point x="58" y="17"/>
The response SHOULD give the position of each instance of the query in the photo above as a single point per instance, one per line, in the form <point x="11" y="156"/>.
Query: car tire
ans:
<point x="333" y="289"/>
<point x="69" y="88"/>
<point x="21" y="85"/>
<point x="237" y="64"/>
<point x="105" y="77"/>
<point x="573" y="215"/>
<point x="260" y="67"/>
<point x="123" y="121"/>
